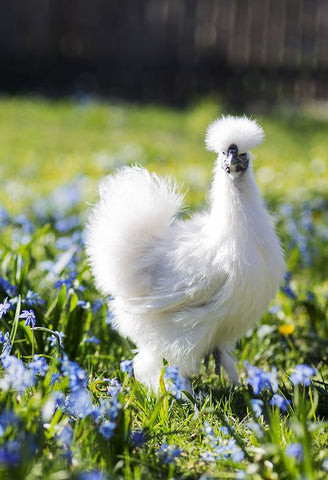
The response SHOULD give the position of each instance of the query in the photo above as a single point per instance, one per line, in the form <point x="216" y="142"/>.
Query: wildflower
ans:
<point x="55" y="378"/>
<point x="275" y="309"/>
<point x="96" y="305"/>
<point x="295" y="450"/>
<point x="79" y="404"/>
<point x="16" y="375"/>
<point x="5" y="340"/>
<point x="68" y="282"/>
<point x="287" y="289"/>
<point x="93" y="339"/>
<point x="179" y="383"/>
<point x="32" y="299"/>
<point x="8" y="288"/>
<point x="137" y="438"/>
<point x="168" y="453"/>
<point x="259" y="379"/>
<point x="208" y="457"/>
<point x="280" y="402"/>
<point x="65" y="437"/>
<point x="309" y="296"/>
<point x="255" y="428"/>
<point x="302" y="374"/>
<point x="55" y="338"/>
<point x="257" y="407"/>
<point x="92" y="475"/>
<point x="4" y="307"/>
<point x="114" y="387"/>
<point x="38" y="365"/>
<point x="107" y="429"/>
<point x="10" y="453"/>
<point x="127" y="367"/>
<point x="29" y="318"/>
<point x="286" y="329"/>
<point x="77" y="376"/>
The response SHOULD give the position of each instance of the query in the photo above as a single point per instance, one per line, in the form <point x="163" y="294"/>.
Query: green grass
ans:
<point x="52" y="156"/>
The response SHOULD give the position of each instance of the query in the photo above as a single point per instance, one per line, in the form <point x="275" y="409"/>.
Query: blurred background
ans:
<point x="88" y="86"/>
<point x="173" y="51"/>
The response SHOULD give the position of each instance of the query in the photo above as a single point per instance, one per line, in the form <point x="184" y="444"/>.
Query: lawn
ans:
<point x="69" y="405"/>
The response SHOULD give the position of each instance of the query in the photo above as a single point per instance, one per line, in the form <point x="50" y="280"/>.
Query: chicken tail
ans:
<point x="134" y="212"/>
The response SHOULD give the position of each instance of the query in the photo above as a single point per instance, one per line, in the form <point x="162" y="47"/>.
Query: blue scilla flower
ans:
<point x="4" y="217"/>
<point x="137" y="438"/>
<point x="8" y="288"/>
<point x="6" y="343"/>
<point x="29" y="318"/>
<point x="257" y="406"/>
<point x="4" y="307"/>
<point x="38" y="365"/>
<point x="259" y="379"/>
<point x="92" y="475"/>
<point x="10" y="453"/>
<point x="113" y="387"/>
<point x="25" y="223"/>
<point x="32" y="299"/>
<point x="78" y="377"/>
<point x="93" y="340"/>
<point x="16" y="376"/>
<point x="66" y="224"/>
<point x="68" y="282"/>
<point x="178" y="383"/>
<point x="79" y="403"/>
<point x="65" y="437"/>
<point x="168" y="453"/>
<point x="126" y="366"/>
<point x="56" y="338"/>
<point x="208" y="457"/>
<point x="302" y="375"/>
<point x="280" y="402"/>
<point x="97" y="305"/>
<point x="107" y="429"/>
<point x="295" y="450"/>
<point x="287" y="289"/>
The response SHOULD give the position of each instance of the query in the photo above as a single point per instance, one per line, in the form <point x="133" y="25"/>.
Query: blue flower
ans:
<point x="65" y="437"/>
<point x="69" y="281"/>
<point x="137" y="438"/>
<point x="10" y="453"/>
<point x="287" y="289"/>
<point x="257" y="407"/>
<point x="8" y="288"/>
<point x="93" y="339"/>
<point x="259" y="379"/>
<point x="280" y="402"/>
<point x="179" y="383"/>
<point x="92" y="475"/>
<point x="295" y="450"/>
<point x="5" y="340"/>
<point x="29" y="318"/>
<point x="78" y="377"/>
<point x="38" y="365"/>
<point x="126" y="366"/>
<point x="79" y="403"/>
<point x="4" y="307"/>
<point x="32" y="299"/>
<point x="302" y="374"/>
<point x="56" y="338"/>
<point x="16" y="375"/>
<point x="96" y="305"/>
<point x="107" y="429"/>
<point x="168" y="453"/>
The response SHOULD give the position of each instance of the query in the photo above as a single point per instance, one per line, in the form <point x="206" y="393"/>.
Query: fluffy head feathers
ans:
<point x="241" y="131"/>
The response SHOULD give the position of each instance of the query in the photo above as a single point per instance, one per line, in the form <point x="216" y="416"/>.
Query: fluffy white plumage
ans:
<point x="184" y="289"/>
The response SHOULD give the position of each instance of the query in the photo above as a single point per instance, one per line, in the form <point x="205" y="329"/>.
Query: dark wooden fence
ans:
<point x="171" y="50"/>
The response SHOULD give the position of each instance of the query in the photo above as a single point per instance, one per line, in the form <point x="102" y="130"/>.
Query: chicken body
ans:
<point x="183" y="289"/>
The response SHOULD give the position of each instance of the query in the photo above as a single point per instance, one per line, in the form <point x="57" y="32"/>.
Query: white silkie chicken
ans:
<point x="183" y="289"/>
